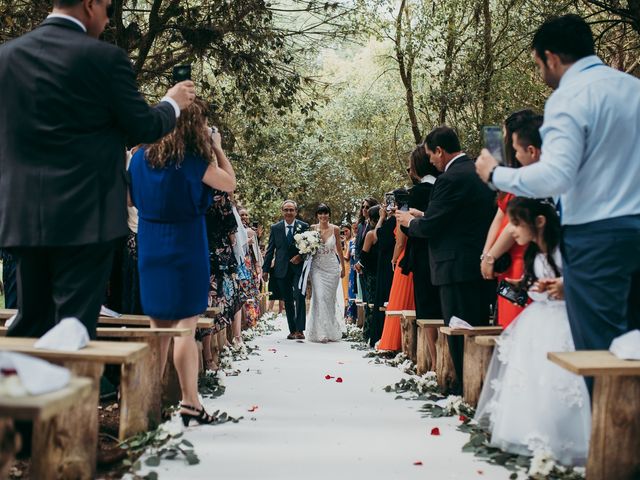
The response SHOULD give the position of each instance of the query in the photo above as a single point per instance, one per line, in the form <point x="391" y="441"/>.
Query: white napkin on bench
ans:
<point x="456" y="322"/>
<point x="36" y="376"/>
<point x="68" y="335"/>
<point x="627" y="346"/>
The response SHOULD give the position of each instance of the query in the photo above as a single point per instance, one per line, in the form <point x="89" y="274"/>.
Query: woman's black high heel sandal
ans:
<point x="203" y="418"/>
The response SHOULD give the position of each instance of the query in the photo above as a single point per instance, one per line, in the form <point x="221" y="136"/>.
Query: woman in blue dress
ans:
<point x="171" y="183"/>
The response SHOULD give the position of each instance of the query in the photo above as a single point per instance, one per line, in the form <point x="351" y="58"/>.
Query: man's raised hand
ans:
<point x="183" y="93"/>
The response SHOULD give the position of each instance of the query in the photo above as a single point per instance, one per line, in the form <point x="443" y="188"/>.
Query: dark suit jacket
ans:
<point x="69" y="103"/>
<point x="284" y="251"/>
<point x="456" y="223"/>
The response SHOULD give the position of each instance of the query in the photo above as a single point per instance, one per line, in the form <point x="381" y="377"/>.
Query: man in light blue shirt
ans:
<point x="591" y="162"/>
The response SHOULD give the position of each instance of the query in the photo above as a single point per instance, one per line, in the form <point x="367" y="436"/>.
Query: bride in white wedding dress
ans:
<point x="325" y="321"/>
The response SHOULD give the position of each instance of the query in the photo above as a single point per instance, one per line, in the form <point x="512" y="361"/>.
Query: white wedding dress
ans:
<point x="326" y="317"/>
<point x="532" y="404"/>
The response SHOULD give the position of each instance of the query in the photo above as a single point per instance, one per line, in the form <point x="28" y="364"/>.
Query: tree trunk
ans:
<point x="406" y="72"/>
<point x="488" y="62"/>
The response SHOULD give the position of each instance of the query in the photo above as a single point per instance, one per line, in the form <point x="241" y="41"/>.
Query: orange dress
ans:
<point x="508" y="311"/>
<point x="400" y="298"/>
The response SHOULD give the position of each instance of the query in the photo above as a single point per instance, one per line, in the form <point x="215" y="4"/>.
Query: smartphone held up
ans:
<point x="494" y="142"/>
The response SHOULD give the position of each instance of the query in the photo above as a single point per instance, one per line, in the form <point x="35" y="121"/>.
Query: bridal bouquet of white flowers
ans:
<point x="308" y="242"/>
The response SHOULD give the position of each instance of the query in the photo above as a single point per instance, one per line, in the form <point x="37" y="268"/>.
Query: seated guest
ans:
<point x="171" y="183"/>
<point x="532" y="404"/>
<point x="522" y="146"/>
<point x="456" y="224"/>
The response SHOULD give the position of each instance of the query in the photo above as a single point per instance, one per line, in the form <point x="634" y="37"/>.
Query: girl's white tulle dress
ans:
<point x="531" y="404"/>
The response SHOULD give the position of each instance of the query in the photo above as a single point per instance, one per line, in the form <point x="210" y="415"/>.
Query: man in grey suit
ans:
<point x="287" y="267"/>
<point x="70" y="104"/>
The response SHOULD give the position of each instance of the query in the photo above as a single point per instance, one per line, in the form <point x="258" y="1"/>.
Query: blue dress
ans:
<point x="173" y="256"/>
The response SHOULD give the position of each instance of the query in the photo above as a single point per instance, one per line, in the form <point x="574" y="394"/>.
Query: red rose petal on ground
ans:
<point x="339" y="380"/>
<point x="480" y="472"/>
<point x="463" y="418"/>
<point x="435" y="431"/>
<point x="273" y="350"/>
<point x="417" y="463"/>
<point x="253" y="408"/>
<point x="328" y="377"/>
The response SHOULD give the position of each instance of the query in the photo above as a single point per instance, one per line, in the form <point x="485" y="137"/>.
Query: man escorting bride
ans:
<point x="326" y="316"/>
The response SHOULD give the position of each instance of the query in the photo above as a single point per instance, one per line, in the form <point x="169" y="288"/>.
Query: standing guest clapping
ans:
<point x="171" y="185"/>
<point x="69" y="102"/>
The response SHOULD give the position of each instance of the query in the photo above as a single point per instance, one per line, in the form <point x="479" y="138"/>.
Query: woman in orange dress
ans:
<point x="400" y="298"/>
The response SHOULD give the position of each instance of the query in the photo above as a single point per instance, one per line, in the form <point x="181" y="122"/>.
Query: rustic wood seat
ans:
<point x="135" y="400"/>
<point x="615" y="418"/>
<point x="486" y="340"/>
<point x="61" y="445"/>
<point x="476" y="359"/>
<point x="409" y="334"/>
<point x="423" y="356"/>
<point x="124" y="320"/>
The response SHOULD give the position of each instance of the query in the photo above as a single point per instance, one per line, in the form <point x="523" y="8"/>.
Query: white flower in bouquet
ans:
<point x="307" y="242"/>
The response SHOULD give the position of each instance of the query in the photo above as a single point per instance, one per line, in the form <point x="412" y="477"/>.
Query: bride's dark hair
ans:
<point x="526" y="210"/>
<point x="323" y="208"/>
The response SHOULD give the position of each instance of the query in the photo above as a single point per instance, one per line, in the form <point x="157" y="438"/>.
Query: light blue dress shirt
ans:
<point x="590" y="146"/>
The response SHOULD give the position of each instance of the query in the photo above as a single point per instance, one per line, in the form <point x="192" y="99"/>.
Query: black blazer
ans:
<point x="284" y="251"/>
<point x="69" y="104"/>
<point x="417" y="248"/>
<point x="456" y="223"/>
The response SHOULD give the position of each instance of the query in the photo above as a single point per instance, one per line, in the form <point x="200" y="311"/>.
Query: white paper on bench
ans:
<point x="107" y="312"/>
<point x="36" y="376"/>
<point x="627" y="346"/>
<point x="68" y="335"/>
<point x="456" y="322"/>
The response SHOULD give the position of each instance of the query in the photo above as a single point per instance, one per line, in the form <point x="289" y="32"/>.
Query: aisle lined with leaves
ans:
<point x="304" y="410"/>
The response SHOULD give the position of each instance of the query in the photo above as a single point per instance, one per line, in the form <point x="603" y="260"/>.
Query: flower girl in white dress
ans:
<point x="531" y="405"/>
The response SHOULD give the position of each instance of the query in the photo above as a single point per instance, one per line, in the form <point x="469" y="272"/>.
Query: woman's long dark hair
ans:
<point x="526" y="210"/>
<point x="371" y="201"/>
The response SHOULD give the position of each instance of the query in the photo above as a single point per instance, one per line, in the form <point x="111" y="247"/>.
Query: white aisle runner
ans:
<point x="307" y="427"/>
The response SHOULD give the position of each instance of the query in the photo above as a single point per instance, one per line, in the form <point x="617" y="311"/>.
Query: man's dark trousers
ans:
<point x="294" y="301"/>
<point x="58" y="282"/>
<point x="601" y="262"/>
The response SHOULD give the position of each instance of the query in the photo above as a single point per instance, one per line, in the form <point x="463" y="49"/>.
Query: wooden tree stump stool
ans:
<point x="361" y="315"/>
<point x="64" y="441"/>
<point x="615" y="417"/>
<point x="409" y="334"/>
<point x="423" y="354"/>
<point x="152" y="391"/>
<point x="476" y="360"/>
<point x="90" y="362"/>
<point x="445" y="372"/>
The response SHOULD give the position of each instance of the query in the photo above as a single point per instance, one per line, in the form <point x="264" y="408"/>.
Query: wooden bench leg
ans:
<point x="615" y="429"/>
<point x="152" y="366"/>
<point x="360" y="319"/>
<point x="422" y="354"/>
<point x="444" y="365"/>
<point x="65" y="446"/>
<point x="476" y="364"/>
<point x="136" y="387"/>
<point x="171" y="393"/>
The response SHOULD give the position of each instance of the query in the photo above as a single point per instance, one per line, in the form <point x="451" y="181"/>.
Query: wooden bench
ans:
<point x="409" y="334"/>
<point x="61" y="444"/>
<point x="135" y="398"/>
<point x="123" y="320"/>
<point x="476" y="359"/>
<point x="423" y="353"/>
<point x="615" y="418"/>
